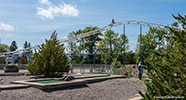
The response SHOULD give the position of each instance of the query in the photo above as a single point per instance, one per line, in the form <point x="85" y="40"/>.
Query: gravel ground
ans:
<point x="115" y="89"/>
<point x="7" y="79"/>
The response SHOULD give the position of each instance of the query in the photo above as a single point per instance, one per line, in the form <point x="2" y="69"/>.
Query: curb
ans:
<point x="17" y="86"/>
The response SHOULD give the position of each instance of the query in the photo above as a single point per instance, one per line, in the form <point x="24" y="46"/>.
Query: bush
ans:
<point x="117" y="64"/>
<point x="23" y="60"/>
<point x="2" y="60"/>
<point x="168" y="69"/>
<point x="49" y="59"/>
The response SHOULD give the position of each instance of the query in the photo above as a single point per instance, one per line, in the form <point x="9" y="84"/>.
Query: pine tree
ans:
<point x="25" y="44"/>
<point x="29" y="45"/>
<point x="168" y="70"/>
<point x="50" y="58"/>
<point x="13" y="46"/>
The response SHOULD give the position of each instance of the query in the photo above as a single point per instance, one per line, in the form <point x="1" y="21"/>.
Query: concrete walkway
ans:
<point x="137" y="97"/>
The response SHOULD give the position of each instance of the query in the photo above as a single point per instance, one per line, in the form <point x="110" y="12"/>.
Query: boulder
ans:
<point x="69" y="78"/>
<point x="11" y="68"/>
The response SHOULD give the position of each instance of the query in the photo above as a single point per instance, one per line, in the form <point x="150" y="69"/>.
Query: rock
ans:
<point x="69" y="78"/>
<point x="11" y="68"/>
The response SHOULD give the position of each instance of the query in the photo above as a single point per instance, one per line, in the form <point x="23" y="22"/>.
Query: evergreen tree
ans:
<point x="50" y="58"/>
<point x="29" y="45"/>
<point x="26" y="45"/>
<point x="13" y="46"/>
<point x="168" y="70"/>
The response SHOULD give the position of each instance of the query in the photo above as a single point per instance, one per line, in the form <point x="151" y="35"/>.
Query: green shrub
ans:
<point x="167" y="70"/>
<point x="117" y="64"/>
<point x="49" y="59"/>
<point x="23" y="60"/>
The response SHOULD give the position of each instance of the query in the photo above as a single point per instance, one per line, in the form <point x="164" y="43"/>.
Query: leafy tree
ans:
<point x="116" y="40"/>
<point x="2" y="60"/>
<point x="151" y="41"/>
<point x="50" y="58"/>
<point x="88" y="43"/>
<point x="130" y="58"/>
<point x="13" y="46"/>
<point x="168" y="69"/>
<point x="4" y="48"/>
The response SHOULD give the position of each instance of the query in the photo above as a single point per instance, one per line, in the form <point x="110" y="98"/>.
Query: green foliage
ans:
<point x="23" y="60"/>
<point x="117" y="64"/>
<point x="50" y="58"/>
<point x="13" y="46"/>
<point x="116" y="41"/>
<point x="88" y="44"/>
<point x="181" y="19"/>
<point x="154" y="39"/>
<point x="4" y="48"/>
<point x="26" y="45"/>
<point x="103" y="46"/>
<point x="2" y="60"/>
<point x="130" y="58"/>
<point x="168" y="69"/>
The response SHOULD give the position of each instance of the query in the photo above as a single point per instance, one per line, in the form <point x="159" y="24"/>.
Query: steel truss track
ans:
<point x="80" y="36"/>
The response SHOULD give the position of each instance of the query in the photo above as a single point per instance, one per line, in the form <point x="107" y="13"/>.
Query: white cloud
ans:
<point x="45" y="13"/>
<point x="69" y="10"/>
<point x="6" y="27"/>
<point x="45" y="2"/>
<point x="53" y="10"/>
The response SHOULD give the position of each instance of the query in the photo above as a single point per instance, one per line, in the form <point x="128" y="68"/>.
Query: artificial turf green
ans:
<point x="56" y="81"/>
<point x="48" y="81"/>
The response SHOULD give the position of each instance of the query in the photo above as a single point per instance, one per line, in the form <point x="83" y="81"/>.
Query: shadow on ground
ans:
<point x="67" y="88"/>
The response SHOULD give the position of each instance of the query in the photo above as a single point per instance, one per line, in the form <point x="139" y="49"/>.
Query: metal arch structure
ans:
<point x="80" y="36"/>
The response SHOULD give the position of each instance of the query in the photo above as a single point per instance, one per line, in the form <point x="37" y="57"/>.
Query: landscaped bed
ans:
<point x="115" y="89"/>
<point x="55" y="83"/>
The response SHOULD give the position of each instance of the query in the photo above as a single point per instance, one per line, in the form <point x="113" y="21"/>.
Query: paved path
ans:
<point x="136" y="97"/>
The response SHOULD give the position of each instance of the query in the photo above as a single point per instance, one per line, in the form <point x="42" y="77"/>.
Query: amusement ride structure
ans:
<point x="11" y="56"/>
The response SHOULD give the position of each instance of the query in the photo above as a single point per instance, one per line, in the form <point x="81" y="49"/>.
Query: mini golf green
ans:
<point x="57" y="81"/>
<point x="48" y="81"/>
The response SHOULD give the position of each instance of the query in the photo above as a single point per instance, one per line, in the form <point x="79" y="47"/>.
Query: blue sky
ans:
<point x="35" y="20"/>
